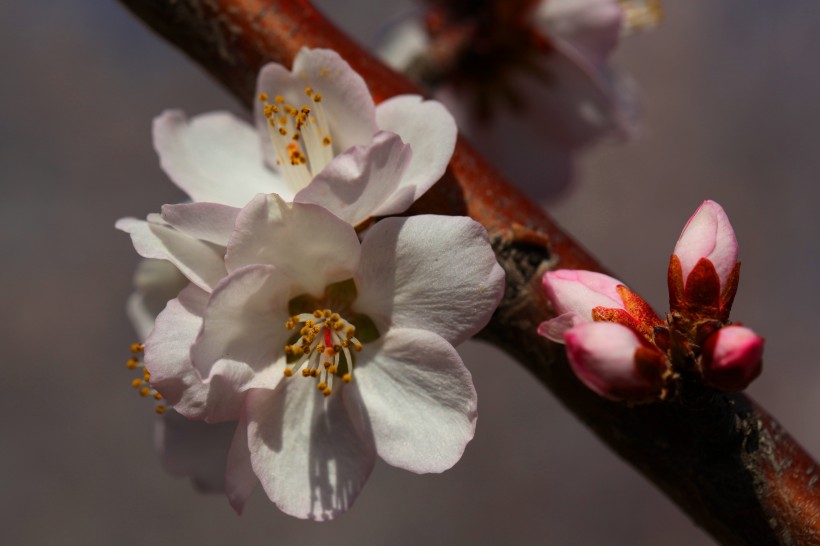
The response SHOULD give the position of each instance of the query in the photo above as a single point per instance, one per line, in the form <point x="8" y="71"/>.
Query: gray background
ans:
<point x="731" y="113"/>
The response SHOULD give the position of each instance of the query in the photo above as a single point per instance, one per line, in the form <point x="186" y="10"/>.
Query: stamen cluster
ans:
<point x="324" y="339"/>
<point x="143" y="385"/>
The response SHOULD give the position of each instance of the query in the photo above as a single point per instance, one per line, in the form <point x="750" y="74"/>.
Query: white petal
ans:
<point x="194" y="449"/>
<point x="240" y="480"/>
<point x="431" y="132"/>
<point x="591" y="26"/>
<point x="307" y="450"/>
<point x="362" y="180"/>
<point x="435" y="273"/>
<point x="305" y="242"/>
<point x="199" y="261"/>
<point x="214" y="158"/>
<point x="419" y="398"/>
<point x="167" y="357"/>
<point x="243" y="331"/>
<point x="209" y="222"/>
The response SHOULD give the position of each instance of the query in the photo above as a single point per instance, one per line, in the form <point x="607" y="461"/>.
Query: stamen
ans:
<point x="320" y="351"/>
<point x="143" y="384"/>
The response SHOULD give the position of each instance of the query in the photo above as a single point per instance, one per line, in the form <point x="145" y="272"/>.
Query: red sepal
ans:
<point x="727" y="295"/>
<point x="675" y="282"/>
<point x="702" y="291"/>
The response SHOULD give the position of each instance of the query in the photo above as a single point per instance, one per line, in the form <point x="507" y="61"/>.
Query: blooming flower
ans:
<point x="320" y="140"/>
<point x="329" y="351"/>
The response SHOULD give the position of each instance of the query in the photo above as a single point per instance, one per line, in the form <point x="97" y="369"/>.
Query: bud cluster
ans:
<point x="622" y="350"/>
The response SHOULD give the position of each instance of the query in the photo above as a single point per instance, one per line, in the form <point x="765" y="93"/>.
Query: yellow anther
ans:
<point x="332" y="370"/>
<point x="347" y="378"/>
<point x="357" y="347"/>
<point x="290" y="325"/>
<point x="327" y="391"/>
<point x="317" y="97"/>
<point x="308" y="91"/>
<point x="137" y="347"/>
<point x="329" y="352"/>
<point x="268" y="111"/>
<point x="314" y="372"/>
<point x="263" y="97"/>
<point x="326" y="141"/>
<point x="132" y="363"/>
<point x="283" y="131"/>
<point x="288" y="372"/>
<point x="327" y="313"/>
<point x="338" y="326"/>
<point x="295" y="136"/>
<point x="305" y="372"/>
<point x="321" y="385"/>
<point x="157" y="396"/>
<point x="145" y="391"/>
<point x="136" y="383"/>
<point x="283" y="120"/>
<point x="320" y="348"/>
<point x="160" y="409"/>
<point x="280" y="99"/>
<point x="345" y="343"/>
<point x="317" y="313"/>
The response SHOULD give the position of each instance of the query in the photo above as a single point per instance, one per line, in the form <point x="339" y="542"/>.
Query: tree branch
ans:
<point x="721" y="458"/>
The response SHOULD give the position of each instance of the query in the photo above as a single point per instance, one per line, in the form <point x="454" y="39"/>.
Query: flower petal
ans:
<point x="346" y="100"/>
<point x="708" y="234"/>
<point x="419" y="398"/>
<point x="593" y="27"/>
<point x="194" y="449"/>
<point x="209" y="222"/>
<point x="359" y="181"/>
<point x="167" y="357"/>
<point x="579" y="292"/>
<point x="214" y="158"/>
<point x="199" y="261"/>
<point x="431" y="131"/>
<point x="240" y="480"/>
<point x="308" y="451"/>
<point x="305" y="242"/>
<point x="436" y="273"/>
<point x="243" y="333"/>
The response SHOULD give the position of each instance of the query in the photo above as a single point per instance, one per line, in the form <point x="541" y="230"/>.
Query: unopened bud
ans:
<point x="732" y="358"/>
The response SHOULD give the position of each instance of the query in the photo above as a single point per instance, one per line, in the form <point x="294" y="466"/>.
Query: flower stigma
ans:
<point x="300" y="136"/>
<point x="143" y="384"/>
<point x="323" y="348"/>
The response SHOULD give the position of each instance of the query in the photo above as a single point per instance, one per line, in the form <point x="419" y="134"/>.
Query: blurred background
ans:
<point x="730" y="92"/>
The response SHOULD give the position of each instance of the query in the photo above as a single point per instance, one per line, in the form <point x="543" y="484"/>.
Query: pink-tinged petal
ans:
<point x="359" y="181"/>
<point x="708" y="234"/>
<point x="309" y="452"/>
<point x="732" y="358"/>
<point x="209" y="222"/>
<point x="431" y="132"/>
<point x="579" y="292"/>
<point x="593" y="27"/>
<point x="305" y="242"/>
<point x="404" y="283"/>
<point x="240" y="480"/>
<point x="194" y="449"/>
<point x="419" y="399"/>
<point x="167" y="357"/>
<point x="214" y="158"/>
<point x="346" y="101"/>
<point x="199" y="261"/>
<point x="554" y="329"/>
<point x="243" y="333"/>
<point x="603" y="356"/>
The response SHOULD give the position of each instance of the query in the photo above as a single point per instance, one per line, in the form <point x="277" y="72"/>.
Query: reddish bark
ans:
<point x="721" y="458"/>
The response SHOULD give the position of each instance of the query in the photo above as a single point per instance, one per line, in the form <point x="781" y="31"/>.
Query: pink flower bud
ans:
<point x="708" y="234"/>
<point x="732" y="358"/>
<point x="612" y="360"/>
<point x="584" y="296"/>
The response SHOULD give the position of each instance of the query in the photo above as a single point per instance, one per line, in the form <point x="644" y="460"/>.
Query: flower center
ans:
<point x="300" y="136"/>
<point x="323" y="348"/>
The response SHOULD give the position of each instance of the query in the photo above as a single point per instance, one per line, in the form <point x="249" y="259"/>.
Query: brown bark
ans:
<point x="721" y="458"/>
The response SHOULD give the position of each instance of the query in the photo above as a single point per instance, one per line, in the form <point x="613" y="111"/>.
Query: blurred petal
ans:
<point x="208" y="222"/>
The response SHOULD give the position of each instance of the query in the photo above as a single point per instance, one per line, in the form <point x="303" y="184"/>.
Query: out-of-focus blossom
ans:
<point x="614" y="361"/>
<point x="732" y="358"/>
<point x="528" y="81"/>
<point x="370" y="326"/>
